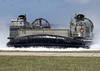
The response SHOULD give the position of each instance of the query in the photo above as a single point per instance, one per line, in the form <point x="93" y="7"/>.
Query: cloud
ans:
<point x="77" y="1"/>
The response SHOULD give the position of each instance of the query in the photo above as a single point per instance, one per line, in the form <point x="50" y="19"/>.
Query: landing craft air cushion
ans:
<point x="39" y="33"/>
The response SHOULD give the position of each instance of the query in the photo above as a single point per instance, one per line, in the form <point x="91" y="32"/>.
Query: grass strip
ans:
<point x="50" y="63"/>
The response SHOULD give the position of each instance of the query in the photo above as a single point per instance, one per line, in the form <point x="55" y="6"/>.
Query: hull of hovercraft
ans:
<point x="45" y="40"/>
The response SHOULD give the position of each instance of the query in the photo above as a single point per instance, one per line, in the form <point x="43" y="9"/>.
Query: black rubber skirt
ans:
<point x="45" y="40"/>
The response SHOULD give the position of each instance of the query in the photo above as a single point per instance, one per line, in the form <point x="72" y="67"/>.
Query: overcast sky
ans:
<point x="55" y="11"/>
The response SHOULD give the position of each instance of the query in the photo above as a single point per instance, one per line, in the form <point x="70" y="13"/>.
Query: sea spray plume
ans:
<point x="4" y="32"/>
<point x="96" y="41"/>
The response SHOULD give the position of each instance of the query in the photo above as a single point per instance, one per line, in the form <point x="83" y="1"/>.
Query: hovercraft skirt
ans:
<point x="45" y="40"/>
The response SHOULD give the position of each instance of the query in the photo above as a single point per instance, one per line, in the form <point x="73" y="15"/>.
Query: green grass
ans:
<point x="42" y="63"/>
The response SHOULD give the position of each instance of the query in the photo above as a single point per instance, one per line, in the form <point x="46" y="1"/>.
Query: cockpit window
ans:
<point x="17" y="23"/>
